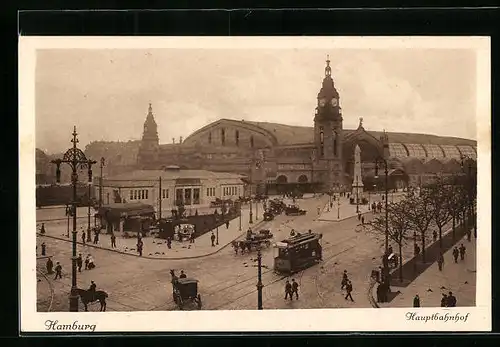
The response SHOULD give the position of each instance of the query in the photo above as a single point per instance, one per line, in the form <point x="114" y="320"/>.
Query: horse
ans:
<point x="86" y="298"/>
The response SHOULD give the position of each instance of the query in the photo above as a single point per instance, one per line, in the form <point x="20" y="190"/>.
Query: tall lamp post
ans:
<point x="239" y="207"/>
<point x="68" y="213"/>
<point x="76" y="159"/>
<point x="386" y="172"/>
<point x="357" y="196"/>
<point x="259" y="279"/>
<point x="470" y="192"/>
<point x="100" y="182"/>
<point x="251" y="212"/>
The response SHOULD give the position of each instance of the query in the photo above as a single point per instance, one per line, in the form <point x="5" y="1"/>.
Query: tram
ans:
<point x="297" y="253"/>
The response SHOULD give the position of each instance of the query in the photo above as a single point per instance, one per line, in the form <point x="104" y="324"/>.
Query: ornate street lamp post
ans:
<point x="100" y="182"/>
<point x="251" y="212"/>
<point x="386" y="172"/>
<point x="259" y="279"/>
<point x="470" y="193"/>
<point x="239" y="206"/>
<point x="76" y="159"/>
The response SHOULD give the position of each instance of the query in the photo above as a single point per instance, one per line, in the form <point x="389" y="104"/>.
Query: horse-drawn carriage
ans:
<point x="294" y="210"/>
<point x="253" y="241"/>
<point x="185" y="291"/>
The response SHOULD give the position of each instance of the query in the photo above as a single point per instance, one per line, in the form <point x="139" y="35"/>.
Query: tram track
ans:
<point x="51" y="289"/>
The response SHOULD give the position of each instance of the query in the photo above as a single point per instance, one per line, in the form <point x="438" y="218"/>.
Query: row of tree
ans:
<point x="446" y="199"/>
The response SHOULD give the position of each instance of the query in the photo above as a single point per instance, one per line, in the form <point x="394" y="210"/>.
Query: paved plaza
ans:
<point x="227" y="280"/>
<point x="459" y="278"/>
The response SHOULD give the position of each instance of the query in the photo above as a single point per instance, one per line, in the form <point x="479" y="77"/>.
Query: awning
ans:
<point x="115" y="211"/>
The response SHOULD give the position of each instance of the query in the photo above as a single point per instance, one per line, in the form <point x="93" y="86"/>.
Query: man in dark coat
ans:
<point x="444" y="301"/>
<point x="212" y="238"/>
<point x="44" y="248"/>
<point x="455" y="254"/>
<point x="416" y="301"/>
<point x="83" y="237"/>
<point x="113" y="241"/>
<point x="295" y="289"/>
<point x="58" y="271"/>
<point x="182" y="275"/>
<point x="288" y="290"/>
<point x="42" y="229"/>
<point x="349" y="290"/>
<point x="440" y="262"/>
<point x="462" y="251"/>
<point x="79" y="262"/>
<point x="452" y="301"/>
<point x="50" y="265"/>
<point x="92" y="290"/>
<point x="344" y="280"/>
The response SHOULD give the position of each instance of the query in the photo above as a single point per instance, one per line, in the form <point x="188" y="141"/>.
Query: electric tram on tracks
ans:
<point x="297" y="253"/>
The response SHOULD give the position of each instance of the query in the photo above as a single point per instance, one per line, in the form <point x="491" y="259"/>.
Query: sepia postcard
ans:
<point x="203" y="184"/>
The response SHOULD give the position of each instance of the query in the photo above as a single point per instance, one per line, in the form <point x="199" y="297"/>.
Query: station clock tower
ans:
<point x="328" y="134"/>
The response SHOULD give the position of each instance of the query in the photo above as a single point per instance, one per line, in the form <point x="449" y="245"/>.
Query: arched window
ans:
<point x="223" y="136"/>
<point x="251" y="141"/>
<point x="237" y="136"/>
<point x="321" y="140"/>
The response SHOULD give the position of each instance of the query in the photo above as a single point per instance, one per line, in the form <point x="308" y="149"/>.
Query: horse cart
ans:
<point x="294" y="210"/>
<point x="253" y="241"/>
<point x="185" y="292"/>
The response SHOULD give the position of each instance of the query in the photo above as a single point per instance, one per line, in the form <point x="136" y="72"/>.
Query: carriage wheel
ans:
<point x="199" y="302"/>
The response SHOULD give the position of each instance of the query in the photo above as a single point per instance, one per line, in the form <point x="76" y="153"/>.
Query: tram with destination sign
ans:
<point x="297" y="253"/>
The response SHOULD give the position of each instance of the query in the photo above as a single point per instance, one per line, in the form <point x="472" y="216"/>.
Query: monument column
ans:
<point x="357" y="180"/>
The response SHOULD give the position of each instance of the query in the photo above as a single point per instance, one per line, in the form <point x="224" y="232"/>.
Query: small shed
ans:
<point x="134" y="217"/>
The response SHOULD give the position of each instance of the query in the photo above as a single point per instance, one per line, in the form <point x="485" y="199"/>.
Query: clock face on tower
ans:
<point x="322" y="102"/>
<point x="334" y="102"/>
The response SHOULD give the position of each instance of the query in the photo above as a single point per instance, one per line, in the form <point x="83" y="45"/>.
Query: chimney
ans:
<point x="173" y="140"/>
<point x="180" y="139"/>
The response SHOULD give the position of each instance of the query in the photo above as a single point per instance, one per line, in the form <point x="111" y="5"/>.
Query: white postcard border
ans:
<point x="370" y="319"/>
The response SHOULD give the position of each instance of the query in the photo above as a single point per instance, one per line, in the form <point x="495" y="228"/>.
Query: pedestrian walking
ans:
<point x="440" y="262"/>
<point x="349" y="291"/>
<point x="462" y="251"/>
<point x="49" y="266"/>
<point x="212" y="238"/>
<point x="113" y="241"/>
<point x="44" y="248"/>
<point x="79" y="262"/>
<point x="96" y="238"/>
<point x="91" y="264"/>
<point x="295" y="289"/>
<point x="83" y="237"/>
<point x="319" y="210"/>
<point x="344" y="280"/>
<point x="58" y="271"/>
<point x="42" y="229"/>
<point x="359" y="216"/>
<point x="87" y="261"/>
<point x="363" y="220"/>
<point x="139" y="247"/>
<point x="444" y="301"/>
<point x="169" y="241"/>
<point x="288" y="290"/>
<point x="416" y="301"/>
<point x="227" y="224"/>
<point x="455" y="254"/>
<point x="452" y="301"/>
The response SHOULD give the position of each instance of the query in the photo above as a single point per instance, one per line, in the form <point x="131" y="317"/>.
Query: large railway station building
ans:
<point x="279" y="157"/>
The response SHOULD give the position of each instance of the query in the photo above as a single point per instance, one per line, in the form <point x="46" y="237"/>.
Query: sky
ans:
<point x="106" y="93"/>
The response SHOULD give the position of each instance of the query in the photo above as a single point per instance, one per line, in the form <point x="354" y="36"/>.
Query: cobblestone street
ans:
<point x="228" y="280"/>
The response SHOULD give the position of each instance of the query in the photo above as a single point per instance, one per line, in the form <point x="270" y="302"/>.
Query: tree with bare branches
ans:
<point x="439" y="198"/>
<point x="421" y="215"/>
<point x="398" y="227"/>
